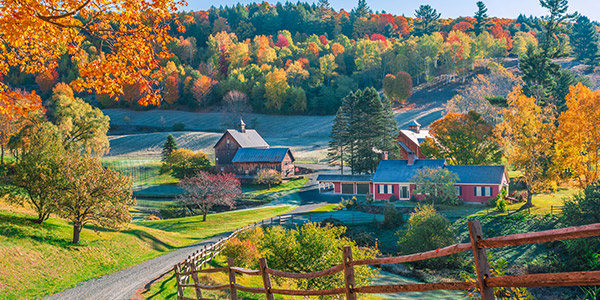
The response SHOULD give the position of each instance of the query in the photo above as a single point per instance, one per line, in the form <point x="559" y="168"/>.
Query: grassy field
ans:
<point x="261" y="190"/>
<point x="39" y="260"/>
<point x="144" y="171"/>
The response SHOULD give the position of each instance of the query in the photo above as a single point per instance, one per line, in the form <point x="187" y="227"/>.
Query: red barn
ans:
<point x="244" y="152"/>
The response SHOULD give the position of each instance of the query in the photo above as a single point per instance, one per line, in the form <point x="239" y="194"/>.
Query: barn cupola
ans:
<point x="414" y="126"/>
<point x="242" y="126"/>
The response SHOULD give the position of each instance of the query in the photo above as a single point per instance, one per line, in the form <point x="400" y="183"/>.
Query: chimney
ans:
<point x="414" y="126"/>
<point x="242" y="126"/>
<point x="411" y="159"/>
<point x="384" y="155"/>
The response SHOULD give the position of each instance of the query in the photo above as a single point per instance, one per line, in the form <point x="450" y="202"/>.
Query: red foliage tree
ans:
<point x="323" y="40"/>
<point x="205" y="190"/>
<point x="463" y="26"/>
<point x="46" y="80"/>
<point x="282" y="41"/>
<point x="171" y="92"/>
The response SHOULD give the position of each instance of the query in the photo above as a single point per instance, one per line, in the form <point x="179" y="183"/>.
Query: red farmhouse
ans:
<point x="475" y="184"/>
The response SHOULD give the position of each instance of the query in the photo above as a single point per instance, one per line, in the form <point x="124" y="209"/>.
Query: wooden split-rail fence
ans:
<point x="485" y="283"/>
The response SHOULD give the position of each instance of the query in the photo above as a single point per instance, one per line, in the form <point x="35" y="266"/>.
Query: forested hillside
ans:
<point x="304" y="58"/>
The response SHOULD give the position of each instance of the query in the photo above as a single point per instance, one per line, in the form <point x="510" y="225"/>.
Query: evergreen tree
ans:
<point x="338" y="142"/>
<point x="551" y="23"/>
<point x="362" y="10"/>
<point x="539" y="74"/>
<point x="170" y="146"/>
<point x="584" y="41"/>
<point x="481" y="17"/>
<point x="427" y="20"/>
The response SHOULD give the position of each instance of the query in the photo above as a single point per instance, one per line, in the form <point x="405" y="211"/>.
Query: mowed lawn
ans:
<point x="39" y="260"/>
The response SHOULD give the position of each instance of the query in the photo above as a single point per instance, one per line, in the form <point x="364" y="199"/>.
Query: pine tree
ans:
<point x="427" y="20"/>
<point x="362" y="10"/>
<point x="339" y="138"/>
<point x="170" y="146"/>
<point x="551" y="23"/>
<point x="540" y="75"/>
<point x="584" y="41"/>
<point x="481" y="17"/>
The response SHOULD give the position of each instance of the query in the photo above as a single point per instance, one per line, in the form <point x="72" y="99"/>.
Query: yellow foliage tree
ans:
<point x="276" y="87"/>
<point x="526" y="134"/>
<point x="578" y="137"/>
<point x="132" y="36"/>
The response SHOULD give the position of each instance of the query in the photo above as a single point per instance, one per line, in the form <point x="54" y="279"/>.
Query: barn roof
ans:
<point x="344" y="178"/>
<point x="398" y="170"/>
<point x="261" y="155"/>
<point x="417" y="138"/>
<point x="478" y="174"/>
<point x="248" y="139"/>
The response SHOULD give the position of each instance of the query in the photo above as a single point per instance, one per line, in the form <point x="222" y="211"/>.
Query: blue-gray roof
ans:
<point x="478" y="174"/>
<point x="398" y="170"/>
<point x="261" y="155"/>
<point x="344" y="178"/>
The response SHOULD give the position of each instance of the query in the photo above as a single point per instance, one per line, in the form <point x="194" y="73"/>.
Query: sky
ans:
<point x="448" y="8"/>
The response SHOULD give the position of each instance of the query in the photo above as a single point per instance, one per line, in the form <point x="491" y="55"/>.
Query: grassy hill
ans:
<point x="39" y="260"/>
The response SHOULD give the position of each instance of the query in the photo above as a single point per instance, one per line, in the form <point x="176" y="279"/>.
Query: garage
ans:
<point x="362" y="188"/>
<point x="347" y="188"/>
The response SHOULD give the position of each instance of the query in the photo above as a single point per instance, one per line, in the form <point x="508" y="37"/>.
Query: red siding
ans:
<point x="381" y="196"/>
<point x="468" y="193"/>
<point x="337" y="188"/>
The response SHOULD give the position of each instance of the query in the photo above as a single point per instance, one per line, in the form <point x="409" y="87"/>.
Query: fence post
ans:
<point x="481" y="263"/>
<point x="232" y="279"/>
<point x="279" y="220"/>
<point x="266" y="279"/>
<point x="178" y="279"/>
<point x="349" y="274"/>
<point x="292" y="220"/>
<point x="195" y="278"/>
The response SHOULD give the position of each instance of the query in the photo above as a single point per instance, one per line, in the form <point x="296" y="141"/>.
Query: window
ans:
<point x="390" y="189"/>
<point x="483" y="191"/>
<point x="458" y="190"/>
<point x="380" y="187"/>
<point x="477" y="191"/>
<point x="488" y="191"/>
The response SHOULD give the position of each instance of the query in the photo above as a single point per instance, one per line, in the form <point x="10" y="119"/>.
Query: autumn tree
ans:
<point x="132" y="38"/>
<point x="462" y="139"/>
<point x="83" y="127"/>
<point x="92" y="194"/>
<point x="577" y="141"/>
<point x="526" y="135"/>
<point x="171" y="91"/>
<point x="236" y="106"/>
<point x="268" y="177"/>
<point x="437" y="184"/>
<point x="205" y="190"/>
<point x="37" y="170"/>
<point x="202" y="88"/>
<point x="276" y="87"/>
<point x="185" y="163"/>
<point x="168" y="148"/>
<point x="46" y="80"/>
<point x="397" y="87"/>
<point x="426" y="20"/>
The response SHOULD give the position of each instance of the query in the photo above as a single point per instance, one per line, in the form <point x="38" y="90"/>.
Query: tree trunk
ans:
<point x="1" y="155"/>
<point x="76" y="231"/>
<point x="529" y="202"/>
<point x="204" y="213"/>
<point x="41" y="218"/>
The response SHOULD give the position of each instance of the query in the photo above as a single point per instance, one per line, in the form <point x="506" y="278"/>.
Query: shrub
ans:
<point x="428" y="230"/>
<point x="178" y="127"/>
<point x="369" y="199"/>
<point x="392" y="217"/>
<point x="501" y="205"/>
<point x="349" y="203"/>
<point x="413" y="198"/>
<point x="269" y="177"/>
<point x="393" y="198"/>
<point x="244" y="252"/>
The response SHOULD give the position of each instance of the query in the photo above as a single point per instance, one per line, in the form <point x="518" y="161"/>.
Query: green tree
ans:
<point x="398" y="87"/>
<point x="83" y="127"/>
<point x="362" y="10"/>
<point x="92" y="194"/>
<point x="462" y="139"/>
<point x="268" y="177"/>
<point x="169" y="146"/>
<point x="426" y="20"/>
<point x="37" y="170"/>
<point x="584" y="41"/>
<point x="184" y="163"/>
<point x="438" y="185"/>
<point x="428" y="230"/>
<point x="552" y="26"/>
<point x="481" y="17"/>
<point x="338" y="139"/>
<point x="539" y="75"/>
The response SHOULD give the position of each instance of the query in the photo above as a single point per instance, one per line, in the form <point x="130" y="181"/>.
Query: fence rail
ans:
<point x="478" y="245"/>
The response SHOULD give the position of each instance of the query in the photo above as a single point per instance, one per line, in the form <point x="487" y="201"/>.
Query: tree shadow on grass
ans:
<point x="13" y="226"/>
<point x="164" y="289"/>
<point x="156" y="243"/>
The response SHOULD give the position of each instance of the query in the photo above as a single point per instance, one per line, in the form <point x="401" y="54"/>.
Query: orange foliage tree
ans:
<point x="578" y="140"/>
<point x="202" y="87"/>
<point x="131" y="37"/>
<point x="171" y="92"/>
<point x="46" y="80"/>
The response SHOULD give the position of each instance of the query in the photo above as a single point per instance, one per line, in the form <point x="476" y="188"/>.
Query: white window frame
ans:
<point x="390" y="189"/>
<point x="381" y="188"/>
<point x="458" y="190"/>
